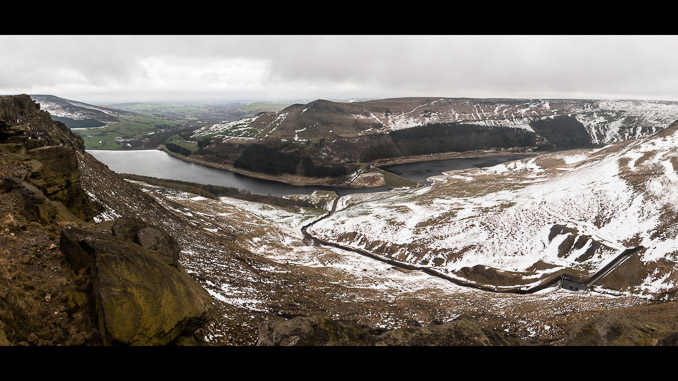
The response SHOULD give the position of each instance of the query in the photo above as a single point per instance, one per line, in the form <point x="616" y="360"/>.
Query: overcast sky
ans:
<point x="112" y="69"/>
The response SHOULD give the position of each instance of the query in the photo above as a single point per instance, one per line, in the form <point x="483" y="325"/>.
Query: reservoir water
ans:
<point x="158" y="164"/>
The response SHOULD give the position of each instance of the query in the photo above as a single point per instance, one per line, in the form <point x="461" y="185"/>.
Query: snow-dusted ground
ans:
<point x="275" y="233"/>
<point x="238" y="128"/>
<point x="508" y="228"/>
<point x="377" y="293"/>
<point x="621" y="120"/>
<point x="282" y="241"/>
<point x="607" y="121"/>
<point x="282" y="273"/>
<point x="498" y="114"/>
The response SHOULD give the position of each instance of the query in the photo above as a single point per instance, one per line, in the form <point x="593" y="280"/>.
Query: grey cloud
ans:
<point x="330" y="66"/>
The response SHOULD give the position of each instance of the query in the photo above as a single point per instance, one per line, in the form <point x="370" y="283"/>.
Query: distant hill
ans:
<point x="604" y="120"/>
<point x="77" y="114"/>
<point x="335" y="133"/>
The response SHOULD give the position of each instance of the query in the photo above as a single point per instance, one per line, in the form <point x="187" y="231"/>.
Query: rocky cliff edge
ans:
<point x="65" y="280"/>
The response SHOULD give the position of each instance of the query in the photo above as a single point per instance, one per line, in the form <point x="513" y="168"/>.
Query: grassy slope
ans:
<point x="395" y="181"/>
<point x="176" y="139"/>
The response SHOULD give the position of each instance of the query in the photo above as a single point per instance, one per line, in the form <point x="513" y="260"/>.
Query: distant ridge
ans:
<point x="77" y="114"/>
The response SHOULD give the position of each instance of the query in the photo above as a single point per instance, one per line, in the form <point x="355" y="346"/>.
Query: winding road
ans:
<point x="553" y="282"/>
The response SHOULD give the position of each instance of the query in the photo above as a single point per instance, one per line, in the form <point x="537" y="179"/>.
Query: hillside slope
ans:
<point x="605" y="121"/>
<point x="77" y="114"/>
<point x="522" y="222"/>
<point x="346" y="135"/>
<point x="67" y="280"/>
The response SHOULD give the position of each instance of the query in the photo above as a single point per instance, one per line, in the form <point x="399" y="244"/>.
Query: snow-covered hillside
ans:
<point x="606" y="121"/>
<point x="239" y="128"/>
<point x="65" y="108"/>
<point x="574" y="210"/>
<point x="615" y="121"/>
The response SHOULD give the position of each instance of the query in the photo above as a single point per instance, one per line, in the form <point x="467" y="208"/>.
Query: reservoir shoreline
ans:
<point x="163" y="164"/>
<point x="328" y="182"/>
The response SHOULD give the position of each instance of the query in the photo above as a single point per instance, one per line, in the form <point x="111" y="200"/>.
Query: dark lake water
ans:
<point x="420" y="171"/>
<point x="158" y="164"/>
<point x="161" y="165"/>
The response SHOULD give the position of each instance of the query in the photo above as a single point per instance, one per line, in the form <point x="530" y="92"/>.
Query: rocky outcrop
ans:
<point x="79" y="285"/>
<point x="3" y="339"/>
<point x="608" y="329"/>
<point x="140" y="298"/>
<point x="41" y="299"/>
<point x="46" y="149"/>
<point x="55" y="171"/>
<point x="149" y="237"/>
<point x="16" y="108"/>
<point x="462" y="332"/>
<point x="34" y="205"/>
<point x="319" y="330"/>
<point x="669" y="341"/>
<point x="574" y="242"/>
<point x="22" y="113"/>
<point x="313" y="331"/>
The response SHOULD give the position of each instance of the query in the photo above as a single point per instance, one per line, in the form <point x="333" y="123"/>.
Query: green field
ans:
<point x="114" y="134"/>
<point x="184" y="110"/>
<point x="151" y="117"/>
<point x="169" y="111"/>
<point x="176" y="139"/>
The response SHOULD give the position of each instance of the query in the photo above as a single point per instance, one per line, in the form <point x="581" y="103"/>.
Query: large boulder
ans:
<point x="140" y="299"/>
